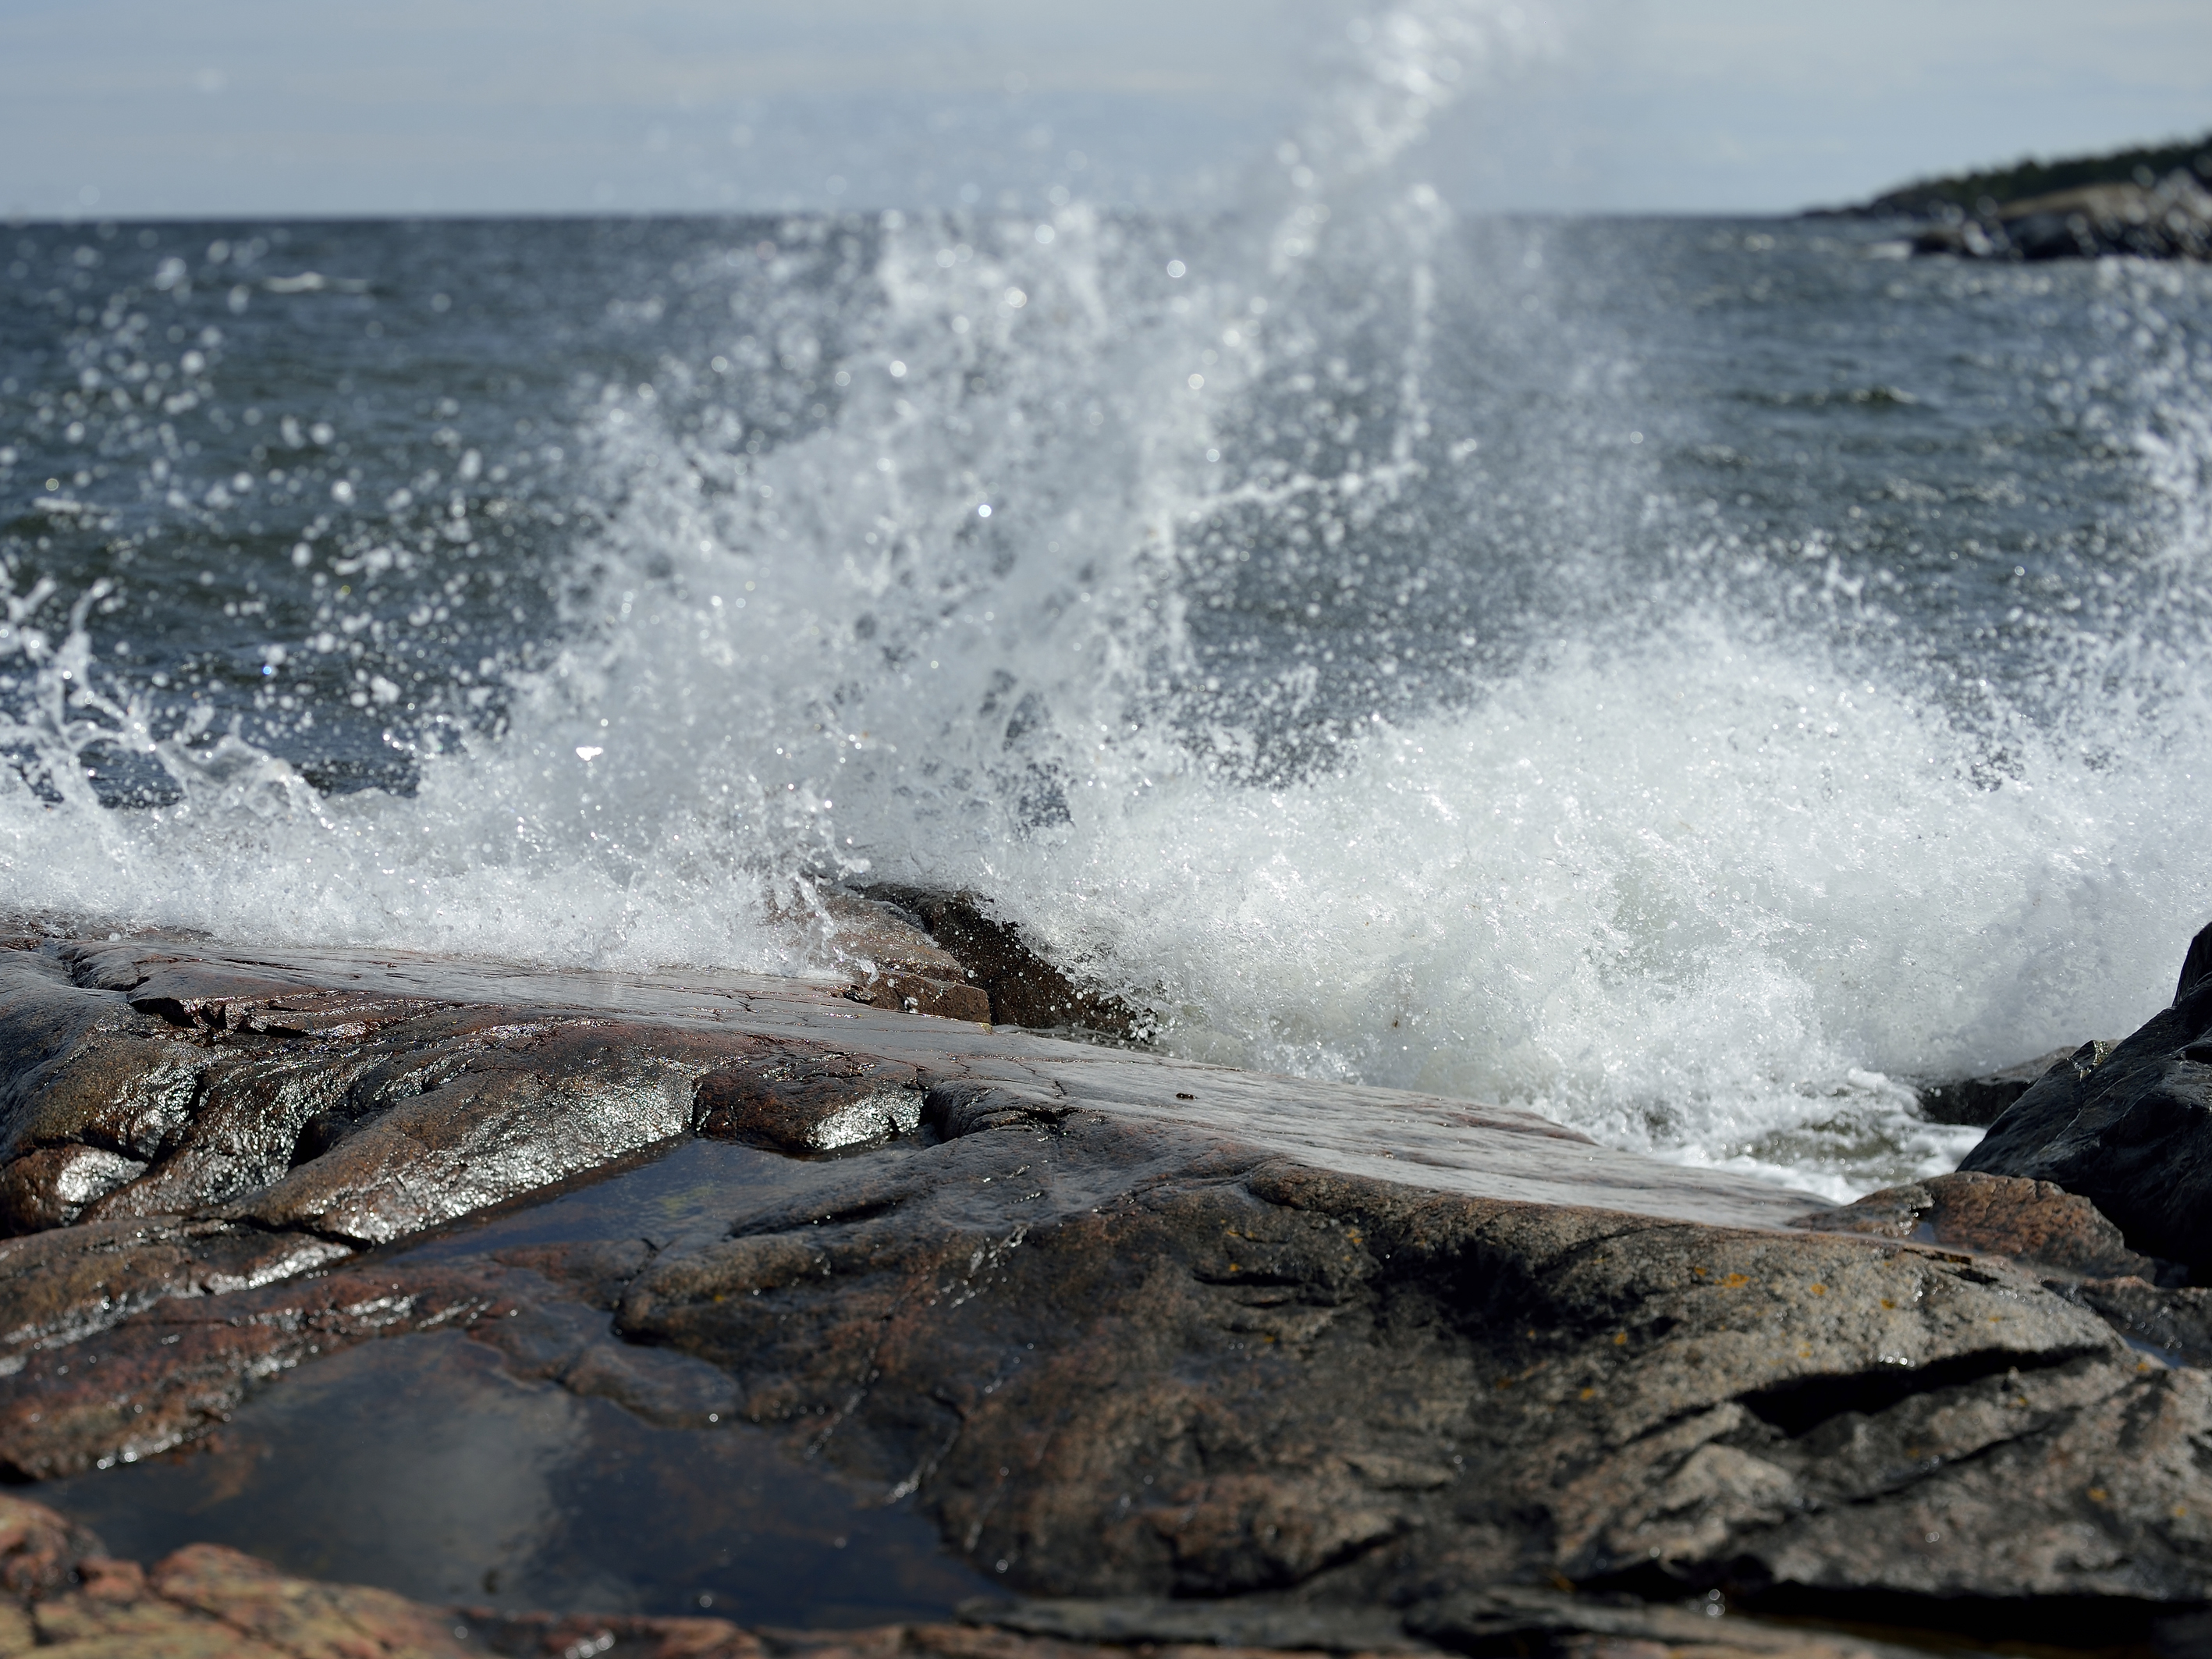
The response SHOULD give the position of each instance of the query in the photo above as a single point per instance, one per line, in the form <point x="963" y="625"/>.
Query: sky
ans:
<point x="148" y="108"/>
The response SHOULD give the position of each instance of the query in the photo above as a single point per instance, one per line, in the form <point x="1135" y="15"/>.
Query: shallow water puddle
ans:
<point x="424" y="1465"/>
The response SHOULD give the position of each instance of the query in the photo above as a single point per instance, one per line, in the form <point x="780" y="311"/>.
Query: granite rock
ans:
<point x="2051" y="1231"/>
<point x="1024" y="986"/>
<point x="1121" y="1328"/>
<point x="895" y="962"/>
<point x="1979" y="1101"/>
<point x="138" y="1084"/>
<point x="2129" y="1129"/>
<point x="1124" y="1364"/>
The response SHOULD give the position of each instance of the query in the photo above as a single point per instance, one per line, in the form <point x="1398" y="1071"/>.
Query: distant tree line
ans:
<point x="1983" y="193"/>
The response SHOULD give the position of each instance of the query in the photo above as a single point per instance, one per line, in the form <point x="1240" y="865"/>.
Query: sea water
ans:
<point x="1690" y="678"/>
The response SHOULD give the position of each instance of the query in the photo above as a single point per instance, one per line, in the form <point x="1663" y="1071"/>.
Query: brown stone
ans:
<point x="51" y="1187"/>
<point x="205" y="1599"/>
<point x="361" y="1115"/>
<point x="809" y="1102"/>
<point x="142" y="1384"/>
<point x="1174" y="1355"/>
<point x="524" y="1111"/>
<point x="894" y="962"/>
<point x="39" y="1550"/>
<point x="62" y="1286"/>
<point x="560" y="1635"/>
<point x="913" y="994"/>
<point x="297" y="1616"/>
<point x="2042" y="1226"/>
<point x="1025" y="987"/>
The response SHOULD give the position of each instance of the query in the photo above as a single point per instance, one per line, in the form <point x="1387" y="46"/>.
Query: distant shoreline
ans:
<point x="1985" y="191"/>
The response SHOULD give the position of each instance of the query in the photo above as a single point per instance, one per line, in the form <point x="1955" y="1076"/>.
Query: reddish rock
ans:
<point x="39" y="1549"/>
<point x="300" y="1616"/>
<point x="913" y="994"/>
<point x="51" y="1186"/>
<point x="1119" y="1363"/>
<point x="2039" y="1225"/>
<point x="800" y="1103"/>
<point x="1025" y="987"/>
<point x="163" y="1375"/>
<point x="160" y="1085"/>
<point x="564" y="1635"/>
<point x="68" y="1283"/>
<point x="894" y="962"/>
<point x="205" y="1602"/>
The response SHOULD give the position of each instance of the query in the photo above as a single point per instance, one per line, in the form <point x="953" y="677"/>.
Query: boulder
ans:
<point x="2129" y="1128"/>
<point x="894" y="961"/>
<point x="1025" y="987"/>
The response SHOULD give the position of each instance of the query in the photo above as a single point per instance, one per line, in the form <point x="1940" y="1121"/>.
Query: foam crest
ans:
<point x="1703" y="896"/>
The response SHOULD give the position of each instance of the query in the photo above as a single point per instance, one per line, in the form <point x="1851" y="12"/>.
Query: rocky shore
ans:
<point x="2152" y="201"/>
<point x="985" y="1342"/>
<point x="2166" y="219"/>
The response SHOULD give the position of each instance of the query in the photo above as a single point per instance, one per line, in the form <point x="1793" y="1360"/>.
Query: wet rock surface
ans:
<point x="1105" y="1329"/>
<point x="2130" y="1128"/>
<point x="1978" y="1101"/>
<point x="61" y="1594"/>
<point x="2043" y="1227"/>
<point x="1025" y="987"/>
<point x="360" y="1098"/>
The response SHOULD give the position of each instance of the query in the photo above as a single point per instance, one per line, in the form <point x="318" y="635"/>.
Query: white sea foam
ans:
<point x="1700" y="896"/>
<point x="1694" y="880"/>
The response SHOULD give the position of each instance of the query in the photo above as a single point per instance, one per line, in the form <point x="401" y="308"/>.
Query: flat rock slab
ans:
<point x="1112" y="1327"/>
<point x="213" y="1072"/>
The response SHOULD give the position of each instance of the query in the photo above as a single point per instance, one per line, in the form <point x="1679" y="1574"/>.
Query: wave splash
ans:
<point x="1273" y="615"/>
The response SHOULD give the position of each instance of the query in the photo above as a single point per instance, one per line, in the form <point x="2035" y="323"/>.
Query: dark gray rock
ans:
<point x="1980" y="1100"/>
<point x="2174" y="1323"/>
<point x="2131" y="1130"/>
